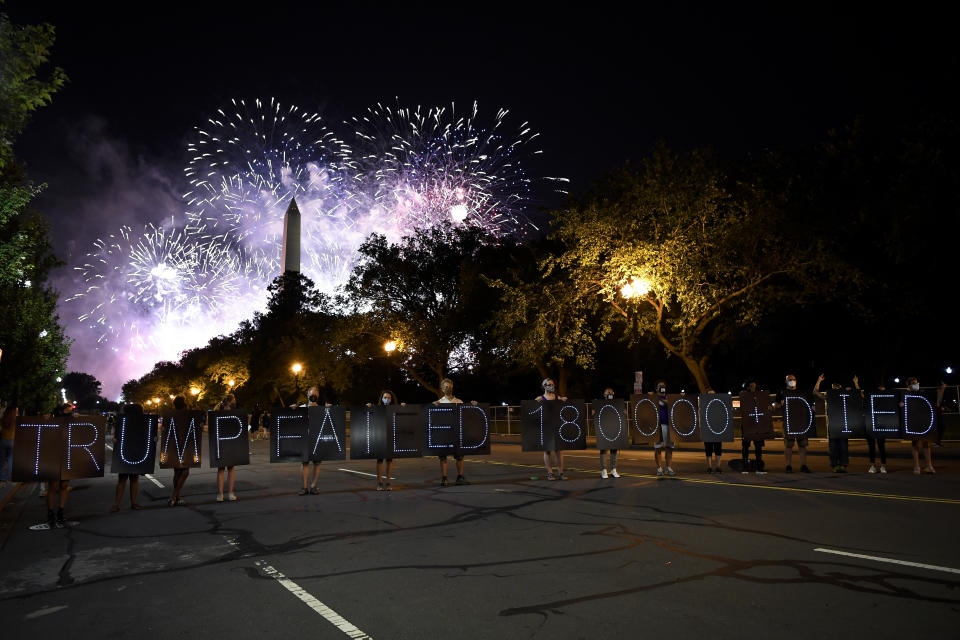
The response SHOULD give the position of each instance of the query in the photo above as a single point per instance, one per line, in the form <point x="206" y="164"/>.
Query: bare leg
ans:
<point x="134" y="490"/>
<point x="220" y="483"/>
<point x="656" y="457"/>
<point x="915" y="450"/>
<point x="460" y="467"/>
<point x="443" y="467"/>
<point x="788" y="453"/>
<point x="304" y="471"/>
<point x="316" y="476"/>
<point x="546" y="462"/>
<point x="560" y="460"/>
<point x="669" y="455"/>
<point x="803" y="456"/>
<point x="121" y="484"/>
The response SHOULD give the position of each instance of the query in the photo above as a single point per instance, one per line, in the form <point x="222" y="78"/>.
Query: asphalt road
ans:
<point x="700" y="556"/>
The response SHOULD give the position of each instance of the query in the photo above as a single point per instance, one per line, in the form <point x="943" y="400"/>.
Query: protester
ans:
<point x="134" y="478"/>
<point x="877" y="443"/>
<point x="57" y="490"/>
<point x="788" y="441"/>
<point x="758" y="466"/>
<point x="916" y="445"/>
<point x="446" y="386"/>
<point x="8" y="427"/>
<point x="839" y="448"/>
<point x="608" y="395"/>
<point x="179" y="475"/>
<point x="387" y="398"/>
<point x="229" y="403"/>
<point x="714" y="450"/>
<point x="666" y="440"/>
<point x="549" y="389"/>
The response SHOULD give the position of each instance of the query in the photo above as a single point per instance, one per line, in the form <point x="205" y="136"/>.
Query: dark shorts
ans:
<point x="444" y="458"/>
<point x="715" y="448"/>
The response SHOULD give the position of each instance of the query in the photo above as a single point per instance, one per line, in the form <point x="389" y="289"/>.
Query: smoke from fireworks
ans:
<point x="147" y="295"/>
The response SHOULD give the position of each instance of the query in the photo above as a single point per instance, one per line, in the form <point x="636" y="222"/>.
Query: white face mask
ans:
<point x="385" y="399"/>
<point x="549" y="388"/>
<point x="915" y="387"/>
<point x="609" y="396"/>
<point x="791" y="384"/>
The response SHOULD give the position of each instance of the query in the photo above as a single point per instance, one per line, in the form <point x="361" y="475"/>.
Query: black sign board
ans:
<point x="918" y="415"/>
<point x="756" y="420"/>
<point x="554" y="425"/>
<point x="135" y="448"/>
<point x="180" y="439"/>
<point x="645" y="414"/>
<point x="229" y="438"/>
<point x="455" y="429"/>
<point x="845" y="417"/>
<point x="610" y="424"/>
<point x="327" y="436"/>
<point x="368" y="432"/>
<point x="683" y="418"/>
<point x="881" y="410"/>
<point x="288" y="435"/>
<point x="403" y="431"/>
<point x="716" y="417"/>
<point x="62" y="448"/>
<point x="799" y="419"/>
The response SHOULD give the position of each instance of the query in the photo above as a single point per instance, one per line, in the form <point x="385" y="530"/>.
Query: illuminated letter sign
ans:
<point x="134" y="451"/>
<point x="610" y="424"/>
<point x="368" y="432"/>
<point x="716" y="417"/>
<point x="455" y="429"/>
<point x="646" y="419"/>
<point x="182" y="430"/>
<point x="683" y="419"/>
<point x="882" y="415"/>
<point x="798" y="416"/>
<point x="327" y="433"/>
<point x="288" y="436"/>
<point x="403" y="424"/>
<point x="553" y="425"/>
<point x="63" y="448"/>
<point x="83" y="456"/>
<point x="919" y="416"/>
<point x="845" y="417"/>
<point x="228" y="438"/>
<point x="756" y="423"/>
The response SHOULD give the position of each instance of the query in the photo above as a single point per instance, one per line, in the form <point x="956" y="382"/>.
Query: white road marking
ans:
<point x="905" y="563"/>
<point x="362" y="473"/>
<point x="149" y="477"/>
<point x="45" y="611"/>
<point x="329" y="614"/>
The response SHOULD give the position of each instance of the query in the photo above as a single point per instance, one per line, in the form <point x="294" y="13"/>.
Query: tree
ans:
<point x="34" y="346"/>
<point x="425" y="294"/>
<point x="83" y="389"/>
<point x="685" y="253"/>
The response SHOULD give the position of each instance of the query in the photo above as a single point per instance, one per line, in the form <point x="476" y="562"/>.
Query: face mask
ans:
<point x="915" y="387"/>
<point x="447" y="390"/>
<point x="549" y="388"/>
<point x="385" y="399"/>
<point x="314" y="399"/>
<point x="791" y="384"/>
<point x="609" y="396"/>
<point x="661" y="389"/>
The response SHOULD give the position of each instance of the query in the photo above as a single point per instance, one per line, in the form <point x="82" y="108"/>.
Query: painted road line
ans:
<point x="905" y="563"/>
<point x="149" y="477"/>
<point x="681" y="478"/>
<point x="363" y="473"/>
<point x="329" y="614"/>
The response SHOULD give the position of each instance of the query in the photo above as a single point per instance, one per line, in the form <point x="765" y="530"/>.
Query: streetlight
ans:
<point x="231" y="383"/>
<point x="194" y="391"/>
<point x="171" y="396"/>
<point x="636" y="288"/>
<point x="296" y="368"/>
<point x="389" y="346"/>
<point x="949" y="370"/>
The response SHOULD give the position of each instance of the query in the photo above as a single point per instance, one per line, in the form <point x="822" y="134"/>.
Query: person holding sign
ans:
<point x="179" y="475"/>
<point x="608" y="395"/>
<point x="913" y="385"/>
<point x="875" y="443"/>
<point x="8" y="426"/>
<point x="133" y="410"/>
<point x="387" y="398"/>
<point x="61" y="487"/>
<point x="229" y="403"/>
<point x="839" y="448"/>
<point x="666" y="441"/>
<point x="713" y="449"/>
<point x="313" y="400"/>
<point x="788" y="440"/>
<point x="446" y="386"/>
<point x="549" y="389"/>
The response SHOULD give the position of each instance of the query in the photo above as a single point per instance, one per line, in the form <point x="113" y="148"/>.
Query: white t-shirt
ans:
<point x="446" y="400"/>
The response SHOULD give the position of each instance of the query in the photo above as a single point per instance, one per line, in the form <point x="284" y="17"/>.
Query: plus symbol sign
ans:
<point x="756" y="414"/>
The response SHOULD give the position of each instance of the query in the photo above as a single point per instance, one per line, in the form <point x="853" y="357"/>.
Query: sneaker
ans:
<point x="804" y="468"/>
<point x="836" y="469"/>
<point x="51" y="520"/>
<point x="220" y="496"/>
<point x="233" y="498"/>
<point x="462" y="480"/>
<point x="379" y="486"/>
<point x="43" y="489"/>
<point x="443" y="481"/>
<point x="386" y="487"/>
<point x="789" y="468"/>
<point x="603" y="473"/>
<point x="916" y="471"/>
<point x="761" y="472"/>
<point x="883" y="469"/>
<point x="61" y="522"/>
<point x="614" y="473"/>
<point x="929" y="469"/>
<point x="313" y="491"/>
<point x="872" y="469"/>
<point x="671" y="472"/>
<point x="302" y="492"/>
<point x="718" y="470"/>
<point x="709" y="469"/>
<point x="745" y="471"/>
<point x="550" y="476"/>
<point x="563" y="476"/>
<point x="659" y="472"/>
<point x="841" y="469"/>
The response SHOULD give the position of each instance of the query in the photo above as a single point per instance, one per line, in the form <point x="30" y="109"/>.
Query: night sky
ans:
<point x="602" y="86"/>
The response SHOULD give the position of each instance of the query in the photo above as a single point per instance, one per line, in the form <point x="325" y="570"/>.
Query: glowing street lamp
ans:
<point x="194" y="391"/>
<point x="390" y="346"/>
<point x="171" y="396"/>
<point x="636" y="288"/>
<point x="296" y="368"/>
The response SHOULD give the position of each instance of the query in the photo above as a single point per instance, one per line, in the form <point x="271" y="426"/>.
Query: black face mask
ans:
<point x="314" y="399"/>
